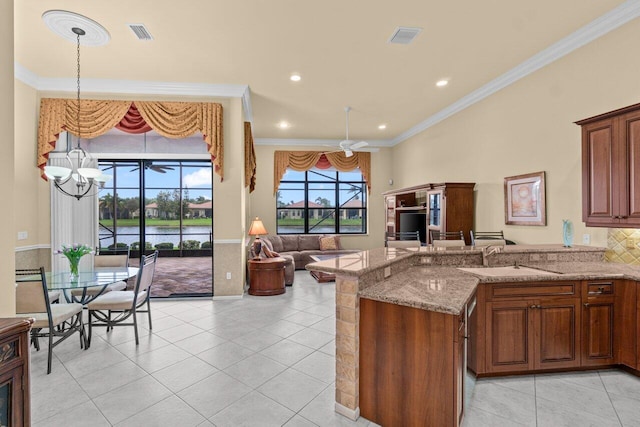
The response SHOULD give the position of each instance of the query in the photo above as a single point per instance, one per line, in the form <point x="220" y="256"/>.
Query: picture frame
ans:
<point x="524" y="199"/>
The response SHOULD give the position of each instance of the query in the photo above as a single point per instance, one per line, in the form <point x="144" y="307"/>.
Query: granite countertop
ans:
<point x="359" y="263"/>
<point x="441" y="289"/>
<point x="447" y="289"/>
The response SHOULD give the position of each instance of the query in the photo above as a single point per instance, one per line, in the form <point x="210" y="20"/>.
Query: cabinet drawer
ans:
<point x="518" y="290"/>
<point x="594" y="289"/>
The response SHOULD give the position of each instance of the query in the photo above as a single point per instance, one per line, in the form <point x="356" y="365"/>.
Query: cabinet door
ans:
<point x="557" y="338"/>
<point x="460" y="368"/>
<point x="598" y="315"/>
<point x="509" y="336"/>
<point x="390" y="214"/>
<point x="629" y="162"/>
<point x="599" y="183"/>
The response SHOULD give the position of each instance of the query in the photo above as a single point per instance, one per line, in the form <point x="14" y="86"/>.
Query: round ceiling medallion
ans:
<point x="62" y="23"/>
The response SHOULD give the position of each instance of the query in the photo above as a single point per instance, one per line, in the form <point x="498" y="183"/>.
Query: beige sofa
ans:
<point x="298" y="248"/>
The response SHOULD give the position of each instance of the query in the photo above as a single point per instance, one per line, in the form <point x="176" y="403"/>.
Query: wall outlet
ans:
<point x="630" y="242"/>
<point x="586" y="239"/>
<point x="387" y="272"/>
<point x="22" y="235"/>
<point x="228" y="275"/>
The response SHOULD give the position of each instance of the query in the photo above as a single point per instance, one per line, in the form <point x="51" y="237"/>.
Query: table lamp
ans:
<point x="256" y="229"/>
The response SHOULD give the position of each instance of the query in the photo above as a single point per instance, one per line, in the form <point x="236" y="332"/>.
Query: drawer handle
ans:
<point x="535" y="306"/>
<point x="598" y="292"/>
<point x="586" y="304"/>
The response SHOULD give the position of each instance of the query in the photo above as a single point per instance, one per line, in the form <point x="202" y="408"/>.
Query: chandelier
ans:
<point x="84" y="179"/>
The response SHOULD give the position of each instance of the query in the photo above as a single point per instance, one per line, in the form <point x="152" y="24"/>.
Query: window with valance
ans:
<point x="169" y="119"/>
<point x="319" y="192"/>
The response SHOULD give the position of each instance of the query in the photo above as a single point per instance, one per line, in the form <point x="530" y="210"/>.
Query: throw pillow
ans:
<point x="328" y="243"/>
<point x="267" y="250"/>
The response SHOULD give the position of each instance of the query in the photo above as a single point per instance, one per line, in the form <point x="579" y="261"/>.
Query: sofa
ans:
<point x="297" y="249"/>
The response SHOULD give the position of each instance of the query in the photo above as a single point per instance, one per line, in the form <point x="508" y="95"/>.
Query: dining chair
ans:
<point x="487" y="238"/>
<point x="446" y="235"/>
<point x="124" y="304"/>
<point x="402" y="239"/>
<point x="51" y="320"/>
<point x="120" y="259"/>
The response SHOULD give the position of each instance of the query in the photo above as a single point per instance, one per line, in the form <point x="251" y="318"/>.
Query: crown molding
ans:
<point x="49" y="84"/>
<point x="373" y="143"/>
<point x="600" y="26"/>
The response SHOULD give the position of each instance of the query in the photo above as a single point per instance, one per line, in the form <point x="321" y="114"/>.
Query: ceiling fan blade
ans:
<point x="158" y="169"/>
<point x="358" y="145"/>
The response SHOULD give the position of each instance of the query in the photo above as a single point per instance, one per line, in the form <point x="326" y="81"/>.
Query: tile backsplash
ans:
<point x="622" y="246"/>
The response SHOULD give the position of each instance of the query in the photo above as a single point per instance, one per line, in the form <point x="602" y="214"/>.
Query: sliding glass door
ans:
<point x="166" y="206"/>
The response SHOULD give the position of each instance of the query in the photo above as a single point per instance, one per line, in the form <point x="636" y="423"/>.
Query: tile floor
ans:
<point x="269" y="361"/>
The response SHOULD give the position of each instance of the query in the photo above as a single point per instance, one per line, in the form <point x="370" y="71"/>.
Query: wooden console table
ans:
<point x="14" y="372"/>
<point x="266" y="276"/>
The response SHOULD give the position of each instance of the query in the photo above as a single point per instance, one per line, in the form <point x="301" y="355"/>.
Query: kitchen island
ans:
<point x="380" y="288"/>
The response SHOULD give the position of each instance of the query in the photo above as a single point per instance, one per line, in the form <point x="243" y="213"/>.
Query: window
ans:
<point x="321" y="201"/>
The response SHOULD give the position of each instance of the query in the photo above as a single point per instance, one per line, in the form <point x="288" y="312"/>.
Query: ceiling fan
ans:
<point x="347" y="145"/>
<point x="155" y="168"/>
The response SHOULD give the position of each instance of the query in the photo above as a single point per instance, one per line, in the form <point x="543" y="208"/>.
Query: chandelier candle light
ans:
<point x="74" y="253"/>
<point x="85" y="177"/>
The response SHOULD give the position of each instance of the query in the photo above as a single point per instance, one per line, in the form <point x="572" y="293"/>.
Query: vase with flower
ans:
<point x="74" y="253"/>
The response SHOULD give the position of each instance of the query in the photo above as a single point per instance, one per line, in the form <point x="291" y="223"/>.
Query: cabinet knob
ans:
<point x="533" y="306"/>
<point x="586" y="304"/>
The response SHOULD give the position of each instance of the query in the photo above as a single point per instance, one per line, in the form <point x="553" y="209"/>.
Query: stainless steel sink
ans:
<point x="506" y="271"/>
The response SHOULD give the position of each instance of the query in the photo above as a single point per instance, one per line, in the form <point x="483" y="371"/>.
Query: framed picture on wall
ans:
<point x="524" y="199"/>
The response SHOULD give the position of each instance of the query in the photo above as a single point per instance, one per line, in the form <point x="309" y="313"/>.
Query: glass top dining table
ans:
<point x="99" y="277"/>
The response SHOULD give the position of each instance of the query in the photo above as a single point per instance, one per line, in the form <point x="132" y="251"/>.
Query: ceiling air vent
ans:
<point x="404" y="35"/>
<point x="140" y="31"/>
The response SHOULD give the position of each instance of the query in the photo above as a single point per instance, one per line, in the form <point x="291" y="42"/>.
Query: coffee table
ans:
<point x="322" y="277"/>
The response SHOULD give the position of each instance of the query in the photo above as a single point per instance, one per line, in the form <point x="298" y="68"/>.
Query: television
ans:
<point x="412" y="222"/>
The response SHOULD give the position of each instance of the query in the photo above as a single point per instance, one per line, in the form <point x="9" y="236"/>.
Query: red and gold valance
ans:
<point x="249" y="158"/>
<point x="169" y="119"/>
<point x="305" y="160"/>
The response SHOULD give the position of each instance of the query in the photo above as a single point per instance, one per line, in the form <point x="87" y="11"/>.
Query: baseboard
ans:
<point x="223" y="297"/>
<point x="352" y="414"/>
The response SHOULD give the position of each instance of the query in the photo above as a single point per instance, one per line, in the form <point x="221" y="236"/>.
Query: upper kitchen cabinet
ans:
<point x="611" y="168"/>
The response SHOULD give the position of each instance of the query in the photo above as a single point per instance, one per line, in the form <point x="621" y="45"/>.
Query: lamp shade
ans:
<point x="257" y="228"/>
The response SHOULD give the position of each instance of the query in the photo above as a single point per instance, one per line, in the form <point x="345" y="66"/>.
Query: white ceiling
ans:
<point x="339" y="47"/>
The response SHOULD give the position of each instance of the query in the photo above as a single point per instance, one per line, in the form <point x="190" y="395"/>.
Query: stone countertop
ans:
<point x="440" y="289"/>
<point x="447" y="289"/>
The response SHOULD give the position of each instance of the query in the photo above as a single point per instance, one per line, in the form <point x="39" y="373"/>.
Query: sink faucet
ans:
<point x="487" y="251"/>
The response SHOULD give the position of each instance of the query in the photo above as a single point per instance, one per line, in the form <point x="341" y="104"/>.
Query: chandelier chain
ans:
<point x="78" y="86"/>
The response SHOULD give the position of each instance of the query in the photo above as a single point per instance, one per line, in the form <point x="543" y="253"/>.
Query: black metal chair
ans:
<point x="487" y="238"/>
<point x="402" y="239"/>
<point x="125" y="304"/>
<point x="446" y="235"/>
<point x="51" y="320"/>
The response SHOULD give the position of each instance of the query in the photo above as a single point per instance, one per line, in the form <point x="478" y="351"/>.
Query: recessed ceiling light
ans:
<point x="442" y="83"/>
<point x="295" y="77"/>
<point x="382" y="127"/>
<point x="283" y="125"/>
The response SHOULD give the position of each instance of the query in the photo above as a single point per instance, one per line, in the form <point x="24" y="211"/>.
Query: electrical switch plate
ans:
<point x="630" y="243"/>
<point x="228" y="275"/>
<point x="387" y="272"/>
<point x="586" y="239"/>
<point x="22" y="235"/>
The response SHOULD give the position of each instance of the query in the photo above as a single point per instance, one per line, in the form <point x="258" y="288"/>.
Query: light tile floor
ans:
<point x="269" y="361"/>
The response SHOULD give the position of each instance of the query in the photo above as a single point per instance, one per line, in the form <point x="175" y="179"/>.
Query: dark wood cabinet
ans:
<point x="14" y="372"/>
<point x="598" y="319"/>
<point x="532" y="326"/>
<point x="411" y="365"/>
<point x="444" y="206"/>
<point x="611" y="168"/>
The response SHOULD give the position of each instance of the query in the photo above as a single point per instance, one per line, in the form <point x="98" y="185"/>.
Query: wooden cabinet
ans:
<point x="598" y="318"/>
<point x="532" y="326"/>
<point x="14" y="372"/>
<point x="443" y="207"/>
<point x="411" y="365"/>
<point x="611" y="168"/>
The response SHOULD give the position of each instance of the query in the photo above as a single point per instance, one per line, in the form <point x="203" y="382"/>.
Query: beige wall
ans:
<point x="528" y="127"/>
<point x="8" y="214"/>
<point x="34" y="208"/>
<point x="263" y="201"/>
